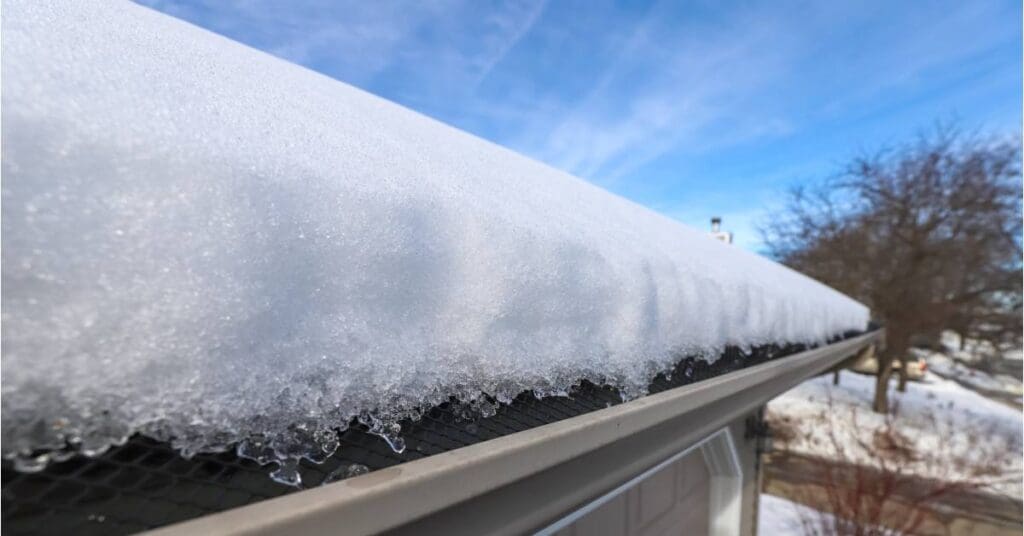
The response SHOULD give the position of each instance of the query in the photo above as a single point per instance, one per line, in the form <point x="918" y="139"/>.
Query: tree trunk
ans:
<point x="904" y="375"/>
<point x="896" y="348"/>
<point x="881" y="403"/>
<point x="835" y="377"/>
<point x="884" y="357"/>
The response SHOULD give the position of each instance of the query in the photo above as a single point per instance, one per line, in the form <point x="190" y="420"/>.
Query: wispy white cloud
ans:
<point x="511" y="24"/>
<point x="673" y="83"/>
<point x="350" y="38"/>
<point x="693" y="84"/>
<point x="443" y="44"/>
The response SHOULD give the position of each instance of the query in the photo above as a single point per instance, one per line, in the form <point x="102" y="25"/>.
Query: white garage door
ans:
<point x="694" y="492"/>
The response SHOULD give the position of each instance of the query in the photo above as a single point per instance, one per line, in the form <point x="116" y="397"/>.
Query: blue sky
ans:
<point x="691" y="108"/>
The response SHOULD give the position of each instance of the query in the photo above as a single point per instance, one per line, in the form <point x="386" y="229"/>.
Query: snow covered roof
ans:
<point x="205" y="244"/>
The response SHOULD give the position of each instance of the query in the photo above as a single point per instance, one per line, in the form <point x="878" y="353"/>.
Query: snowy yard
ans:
<point x="950" y="368"/>
<point x="960" y="361"/>
<point x="949" y="432"/>
<point x="778" y="516"/>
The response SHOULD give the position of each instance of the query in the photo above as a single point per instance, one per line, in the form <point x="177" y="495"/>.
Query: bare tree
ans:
<point x="928" y="235"/>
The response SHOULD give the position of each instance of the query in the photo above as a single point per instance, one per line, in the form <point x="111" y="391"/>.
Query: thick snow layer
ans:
<point x="206" y="243"/>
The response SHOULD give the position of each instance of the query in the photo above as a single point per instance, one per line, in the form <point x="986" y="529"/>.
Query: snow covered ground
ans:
<point x="206" y="243"/>
<point x="955" y="362"/>
<point x="972" y="350"/>
<point x="948" y="367"/>
<point x="954" y="432"/>
<point x="779" y="517"/>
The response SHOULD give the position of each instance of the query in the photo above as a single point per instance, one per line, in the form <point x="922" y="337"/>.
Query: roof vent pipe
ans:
<point x="717" y="233"/>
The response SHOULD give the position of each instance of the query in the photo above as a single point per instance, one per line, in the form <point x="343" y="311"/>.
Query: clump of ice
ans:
<point x="346" y="471"/>
<point x="207" y="244"/>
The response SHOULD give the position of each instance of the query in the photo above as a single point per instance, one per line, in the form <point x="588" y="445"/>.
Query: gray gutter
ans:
<point x="521" y="482"/>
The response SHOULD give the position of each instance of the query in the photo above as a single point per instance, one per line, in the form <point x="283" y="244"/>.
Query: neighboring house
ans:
<point x="867" y="363"/>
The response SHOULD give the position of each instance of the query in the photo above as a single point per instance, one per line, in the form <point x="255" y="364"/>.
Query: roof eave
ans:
<point x="523" y="480"/>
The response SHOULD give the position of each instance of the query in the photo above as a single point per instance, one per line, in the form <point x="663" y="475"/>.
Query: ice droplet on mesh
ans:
<point x="346" y="471"/>
<point x="396" y="442"/>
<point x="390" y="432"/>
<point x="252" y="259"/>
<point x="287" y="473"/>
<point x="32" y="464"/>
